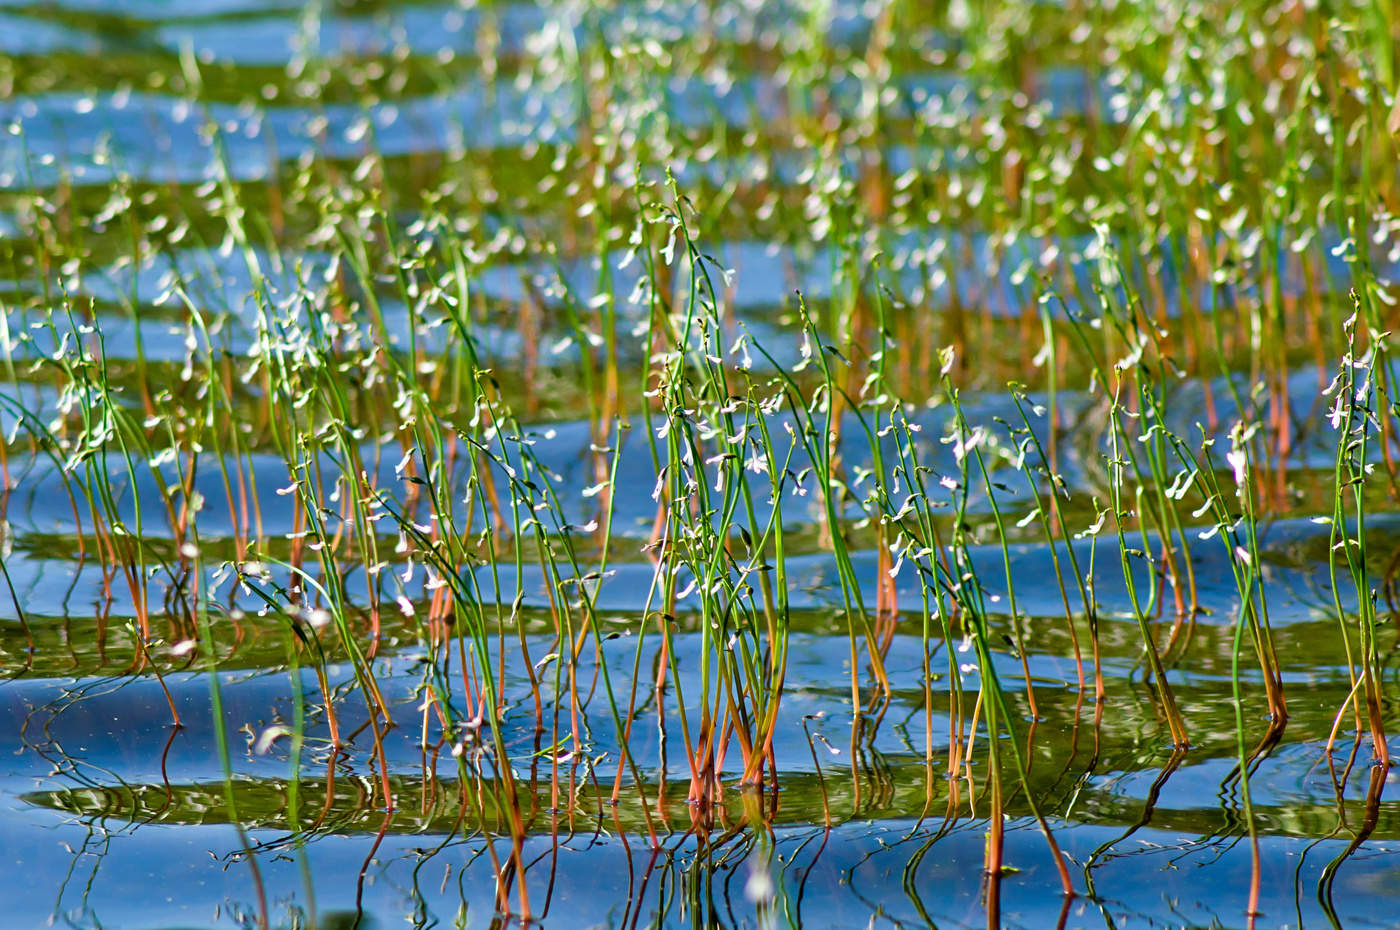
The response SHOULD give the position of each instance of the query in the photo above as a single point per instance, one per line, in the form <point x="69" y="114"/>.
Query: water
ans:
<point x="250" y="814"/>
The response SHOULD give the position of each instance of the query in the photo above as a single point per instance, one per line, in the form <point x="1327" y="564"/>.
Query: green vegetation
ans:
<point x="690" y="422"/>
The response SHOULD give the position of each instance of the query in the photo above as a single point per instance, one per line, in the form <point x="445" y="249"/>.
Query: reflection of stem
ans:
<point x="821" y="782"/>
<point x="761" y="887"/>
<point x="298" y="737"/>
<point x="206" y="634"/>
<point x="634" y="901"/>
<point x="105" y="839"/>
<point x="1173" y="763"/>
<point x="991" y="888"/>
<point x="1368" y="825"/>
<point x="802" y="885"/>
<point x="165" y="774"/>
<point x="1339" y="791"/>
<point x="364" y="868"/>
<point x="221" y="740"/>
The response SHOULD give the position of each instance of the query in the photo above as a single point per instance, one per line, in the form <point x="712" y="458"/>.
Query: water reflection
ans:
<point x="195" y="741"/>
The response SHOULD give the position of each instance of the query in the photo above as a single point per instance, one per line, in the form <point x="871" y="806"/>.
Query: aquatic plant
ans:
<point x="737" y="437"/>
